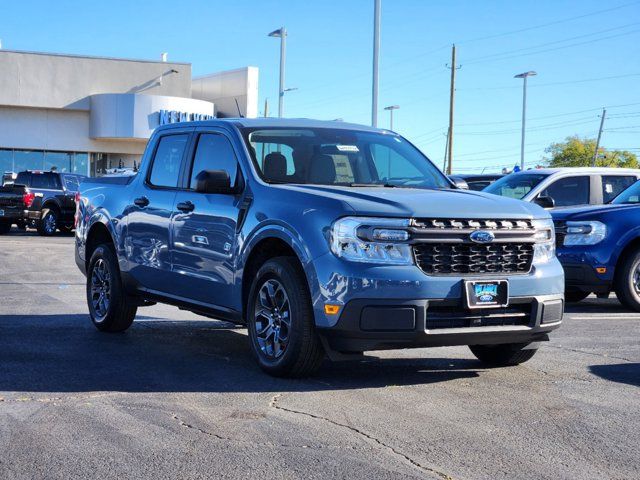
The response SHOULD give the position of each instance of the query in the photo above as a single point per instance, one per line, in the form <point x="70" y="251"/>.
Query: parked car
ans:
<point x="321" y="237"/>
<point x="565" y="187"/>
<point x="599" y="248"/>
<point x="44" y="200"/>
<point x="476" y="181"/>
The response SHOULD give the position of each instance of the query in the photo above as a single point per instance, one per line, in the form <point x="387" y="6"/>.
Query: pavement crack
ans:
<point x="406" y="458"/>
<point x="595" y="354"/>
<point x="197" y="429"/>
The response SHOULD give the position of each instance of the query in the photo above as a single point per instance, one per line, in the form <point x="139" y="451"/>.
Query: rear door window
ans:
<point x="569" y="191"/>
<point x="46" y="181"/>
<point x="165" y="171"/>
<point x="612" y="185"/>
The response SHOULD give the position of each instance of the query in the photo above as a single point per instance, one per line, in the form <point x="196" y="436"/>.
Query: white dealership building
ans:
<point x="91" y="115"/>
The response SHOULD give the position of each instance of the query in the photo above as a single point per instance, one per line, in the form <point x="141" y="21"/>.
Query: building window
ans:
<point x="27" y="160"/>
<point x="20" y="160"/>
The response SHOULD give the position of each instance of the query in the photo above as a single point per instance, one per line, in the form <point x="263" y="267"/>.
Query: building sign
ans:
<point x="173" y="116"/>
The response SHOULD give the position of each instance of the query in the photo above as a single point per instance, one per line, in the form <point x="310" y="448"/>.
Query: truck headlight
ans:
<point x="372" y="240"/>
<point x="545" y="247"/>
<point x="585" y="233"/>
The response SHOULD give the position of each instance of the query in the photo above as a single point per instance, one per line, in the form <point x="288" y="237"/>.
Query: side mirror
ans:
<point x="214" y="181"/>
<point x="460" y="183"/>
<point x="545" y="201"/>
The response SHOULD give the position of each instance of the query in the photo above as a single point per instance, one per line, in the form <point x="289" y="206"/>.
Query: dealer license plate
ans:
<point x="486" y="294"/>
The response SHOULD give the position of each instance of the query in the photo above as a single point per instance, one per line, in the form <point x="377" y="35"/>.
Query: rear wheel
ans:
<point x="5" y="227"/>
<point x="111" y="310"/>
<point x="280" y="321"/>
<point x="48" y="222"/>
<point x="503" y="355"/>
<point x="575" y="295"/>
<point x="627" y="281"/>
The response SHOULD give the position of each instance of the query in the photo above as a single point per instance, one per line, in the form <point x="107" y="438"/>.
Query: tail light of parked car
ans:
<point x="28" y="198"/>
<point x="75" y="217"/>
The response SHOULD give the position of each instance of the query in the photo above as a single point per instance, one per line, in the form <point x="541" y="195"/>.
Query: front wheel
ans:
<point x="280" y="321"/>
<point x="627" y="281"/>
<point x="109" y="306"/>
<point x="503" y="355"/>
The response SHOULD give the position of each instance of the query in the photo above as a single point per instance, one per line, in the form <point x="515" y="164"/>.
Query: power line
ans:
<point x="568" y="82"/>
<point x="543" y="25"/>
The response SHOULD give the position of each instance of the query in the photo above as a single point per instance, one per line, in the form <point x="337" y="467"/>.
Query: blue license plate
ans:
<point x="486" y="294"/>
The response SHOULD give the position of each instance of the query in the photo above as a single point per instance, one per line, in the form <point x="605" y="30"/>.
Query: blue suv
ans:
<point x="323" y="238"/>
<point x="599" y="248"/>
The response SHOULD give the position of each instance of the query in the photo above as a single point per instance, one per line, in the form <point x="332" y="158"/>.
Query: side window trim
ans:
<point x="147" y="179"/>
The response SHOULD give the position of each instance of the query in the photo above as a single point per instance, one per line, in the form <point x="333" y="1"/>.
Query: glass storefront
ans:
<point x="20" y="160"/>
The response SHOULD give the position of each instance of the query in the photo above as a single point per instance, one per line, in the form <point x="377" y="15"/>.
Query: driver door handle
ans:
<point x="186" y="207"/>
<point x="141" y="202"/>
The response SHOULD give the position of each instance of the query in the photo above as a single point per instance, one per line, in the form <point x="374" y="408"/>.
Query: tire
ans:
<point x="573" y="296"/>
<point x="48" y="222"/>
<point x="116" y="311"/>
<point x="505" y="355"/>
<point x="5" y="227"/>
<point x="283" y="349"/>
<point x="627" y="281"/>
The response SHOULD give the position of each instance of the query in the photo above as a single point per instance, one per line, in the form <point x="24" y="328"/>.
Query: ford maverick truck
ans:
<point x="324" y="239"/>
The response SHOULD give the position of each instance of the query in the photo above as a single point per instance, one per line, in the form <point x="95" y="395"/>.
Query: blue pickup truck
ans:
<point x="599" y="248"/>
<point x="323" y="238"/>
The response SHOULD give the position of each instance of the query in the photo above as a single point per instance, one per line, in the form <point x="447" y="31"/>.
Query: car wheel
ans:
<point x="48" y="222"/>
<point x="627" y="281"/>
<point x="109" y="306"/>
<point x="280" y="321"/>
<point x="575" y="295"/>
<point x="503" y="355"/>
<point x="5" y="227"/>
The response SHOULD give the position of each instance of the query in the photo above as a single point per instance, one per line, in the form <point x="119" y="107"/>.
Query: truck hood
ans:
<point x="418" y="202"/>
<point x="586" y="212"/>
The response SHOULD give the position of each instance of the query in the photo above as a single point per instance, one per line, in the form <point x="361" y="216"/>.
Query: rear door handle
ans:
<point x="185" y="206"/>
<point x="141" y="202"/>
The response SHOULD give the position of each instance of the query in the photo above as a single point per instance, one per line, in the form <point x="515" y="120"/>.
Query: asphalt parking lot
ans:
<point x="179" y="396"/>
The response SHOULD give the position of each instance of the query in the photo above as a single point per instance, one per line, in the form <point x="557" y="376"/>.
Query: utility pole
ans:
<point x="266" y="107"/>
<point x="446" y="149"/>
<point x="451" y="104"/>
<point x="595" y="154"/>
<point x="391" y="108"/>
<point x="376" y="55"/>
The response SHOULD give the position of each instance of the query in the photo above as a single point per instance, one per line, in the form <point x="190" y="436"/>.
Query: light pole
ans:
<point x="524" y="76"/>
<point x="391" y="108"/>
<point x="376" y="57"/>
<point x="282" y="34"/>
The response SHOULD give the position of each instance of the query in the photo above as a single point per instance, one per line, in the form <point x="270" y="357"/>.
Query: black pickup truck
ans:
<point x="44" y="200"/>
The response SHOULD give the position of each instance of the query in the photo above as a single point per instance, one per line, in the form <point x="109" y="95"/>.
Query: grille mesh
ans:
<point x="455" y="258"/>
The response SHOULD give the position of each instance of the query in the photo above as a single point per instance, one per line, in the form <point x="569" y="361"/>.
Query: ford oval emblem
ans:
<point x="482" y="236"/>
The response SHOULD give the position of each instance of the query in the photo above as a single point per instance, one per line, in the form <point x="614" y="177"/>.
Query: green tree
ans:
<point x="578" y="152"/>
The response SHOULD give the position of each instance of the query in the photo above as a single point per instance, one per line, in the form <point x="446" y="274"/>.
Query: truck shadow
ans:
<point x="64" y="353"/>
<point x="621" y="372"/>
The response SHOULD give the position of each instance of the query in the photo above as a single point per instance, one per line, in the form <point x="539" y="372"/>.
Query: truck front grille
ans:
<point x="451" y="316"/>
<point x="470" y="258"/>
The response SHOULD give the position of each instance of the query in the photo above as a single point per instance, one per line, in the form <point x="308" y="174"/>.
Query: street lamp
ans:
<point x="391" y="108"/>
<point x="524" y="76"/>
<point x="282" y="34"/>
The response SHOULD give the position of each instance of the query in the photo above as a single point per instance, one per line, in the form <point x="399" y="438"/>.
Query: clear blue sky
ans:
<point x="573" y="45"/>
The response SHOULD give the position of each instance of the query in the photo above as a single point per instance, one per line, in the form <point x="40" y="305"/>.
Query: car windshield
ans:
<point x="326" y="156"/>
<point x="630" y="195"/>
<point x="516" y="185"/>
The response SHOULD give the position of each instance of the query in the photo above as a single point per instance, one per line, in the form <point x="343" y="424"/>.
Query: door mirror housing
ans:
<point x="214" y="181"/>
<point x="545" y="201"/>
<point x="459" y="182"/>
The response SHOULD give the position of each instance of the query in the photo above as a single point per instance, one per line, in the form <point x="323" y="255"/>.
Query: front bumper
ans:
<point x="583" y="277"/>
<point x="381" y="324"/>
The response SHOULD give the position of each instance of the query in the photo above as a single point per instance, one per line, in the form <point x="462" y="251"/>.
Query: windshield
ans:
<point x="630" y="195"/>
<point x="325" y="156"/>
<point x="516" y="185"/>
